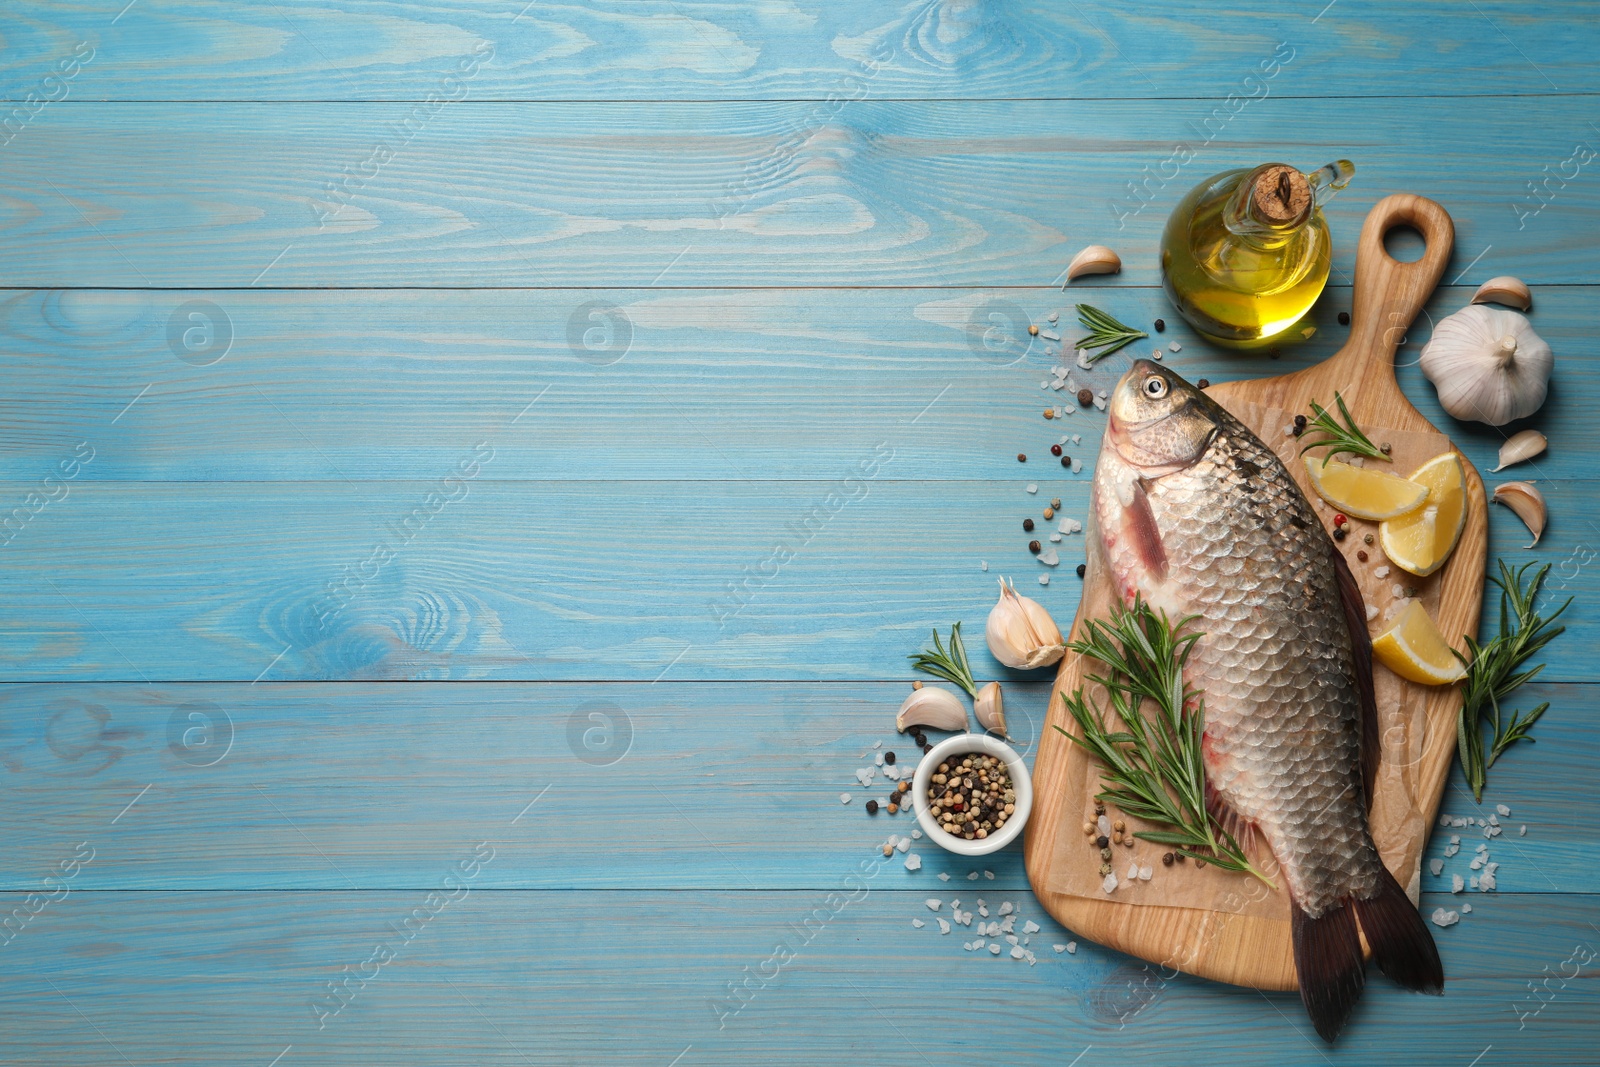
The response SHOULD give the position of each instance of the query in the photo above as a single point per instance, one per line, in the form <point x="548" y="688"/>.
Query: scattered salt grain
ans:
<point x="1076" y="439"/>
<point x="1456" y="883"/>
<point x="1174" y="347"/>
<point x="1030" y="927"/>
<point x="1451" y="850"/>
<point x="1486" y="881"/>
<point x="1044" y="579"/>
<point x="1372" y="611"/>
<point x="1522" y="831"/>
<point x="1077" y="465"/>
<point x="1145" y="873"/>
<point x="1008" y="924"/>
<point x="1474" y="882"/>
<point x="903" y="844"/>
<point x="1444" y="820"/>
<point x="865" y="775"/>
<point x="983" y="909"/>
<point x="1100" y="402"/>
<point x="1059" y="948"/>
<point x="1481" y="848"/>
<point x="844" y="798"/>
<point x="1110" y="883"/>
<point x="1044" y="384"/>
<point x="1493" y="831"/>
<point x="994" y="950"/>
<point x="944" y="876"/>
<point x="944" y="927"/>
<point x="1288" y="430"/>
<point x="1381" y="572"/>
<point x="1048" y="336"/>
<point x="878" y="760"/>
<point x="1436" y="867"/>
<point x="1398" y="590"/>
<point x="1016" y="952"/>
<point x="972" y="876"/>
<point x="1455" y="839"/>
<point x="1102" y="394"/>
<point x="1012" y="939"/>
<point x="1049" y="557"/>
<point x="933" y="905"/>
<point x="1069" y="526"/>
<point x="1501" y="809"/>
<point x="1477" y="863"/>
<point x="983" y="564"/>
<point x="1033" y="487"/>
<point x="918" y="923"/>
<point x="916" y="835"/>
<point x="877" y="744"/>
<point x="1133" y="872"/>
<point x="1054" y="538"/>
<point x="1466" y="909"/>
<point x="913" y="862"/>
<point x="1444" y="918"/>
<point x="1054" y="316"/>
<point x="1072" y="947"/>
<point x="1059" y="383"/>
<point x="1005" y="908"/>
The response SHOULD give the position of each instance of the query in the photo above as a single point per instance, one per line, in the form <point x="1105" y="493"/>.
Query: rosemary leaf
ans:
<point x="1346" y="438"/>
<point x="1495" y="671"/>
<point x="952" y="666"/>
<point x="1105" y="332"/>
<point x="1152" y="767"/>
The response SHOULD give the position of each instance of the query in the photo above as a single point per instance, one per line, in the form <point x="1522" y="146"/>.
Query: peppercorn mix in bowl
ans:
<point x="972" y="794"/>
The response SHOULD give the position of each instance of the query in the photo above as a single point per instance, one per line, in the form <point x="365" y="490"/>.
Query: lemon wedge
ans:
<point x="1422" y="540"/>
<point x="1415" y="650"/>
<point x="1363" y="493"/>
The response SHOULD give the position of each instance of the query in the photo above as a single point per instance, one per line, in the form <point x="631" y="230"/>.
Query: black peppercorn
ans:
<point x="1299" y="422"/>
<point x="1160" y="326"/>
<point x="1338" y="533"/>
<point x="1344" y="318"/>
<point x="1166" y="859"/>
<point x="1102" y="841"/>
<point x="1035" y="547"/>
<point x="1066" y="461"/>
<point x="1081" y="569"/>
<point x="1027" y="525"/>
<point x="872" y="807"/>
<point x="888" y="758"/>
<point x="1204" y="383"/>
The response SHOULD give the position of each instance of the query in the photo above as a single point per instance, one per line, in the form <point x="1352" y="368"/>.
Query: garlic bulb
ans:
<point x="935" y="708"/>
<point x="1021" y="632"/>
<point x="991" y="708"/>
<point x="1488" y="365"/>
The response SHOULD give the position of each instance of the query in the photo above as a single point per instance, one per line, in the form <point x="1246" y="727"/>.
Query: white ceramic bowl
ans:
<point x="1022" y="785"/>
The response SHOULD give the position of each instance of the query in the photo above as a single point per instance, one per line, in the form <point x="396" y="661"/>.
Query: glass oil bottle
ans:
<point x="1246" y="253"/>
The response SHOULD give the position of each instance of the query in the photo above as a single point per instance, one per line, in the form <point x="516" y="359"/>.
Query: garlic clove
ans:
<point x="1519" y="447"/>
<point x="1512" y="292"/>
<point x="935" y="708"/>
<point x="991" y="709"/>
<point x="1096" y="259"/>
<point x="1527" y="502"/>
<point x="1021" y="632"/>
<point x="1488" y="365"/>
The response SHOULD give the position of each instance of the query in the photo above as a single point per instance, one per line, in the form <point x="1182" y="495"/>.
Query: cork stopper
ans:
<point x="1281" y="196"/>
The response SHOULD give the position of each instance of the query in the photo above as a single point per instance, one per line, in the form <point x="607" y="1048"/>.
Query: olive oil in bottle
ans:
<point x="1246" y="253"/>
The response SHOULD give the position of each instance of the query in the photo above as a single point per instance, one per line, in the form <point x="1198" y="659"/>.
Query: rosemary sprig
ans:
<point x="1494" y="671"/>
<point x="1152" y="767"/>
<point x="1105" y="332"/>
<point x="952" y="666"/>
<point x="1346" y="438"/>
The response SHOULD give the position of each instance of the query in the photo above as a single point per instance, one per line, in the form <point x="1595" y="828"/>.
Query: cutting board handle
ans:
<point x="1388" y="293"/>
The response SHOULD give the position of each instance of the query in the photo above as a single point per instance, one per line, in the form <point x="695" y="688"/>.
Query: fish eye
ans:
<point x="1155" y="387"/>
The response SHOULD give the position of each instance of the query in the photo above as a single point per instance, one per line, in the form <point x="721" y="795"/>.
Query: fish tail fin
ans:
<point x="1332" y="972"/>
<point x="1401" y="942"/>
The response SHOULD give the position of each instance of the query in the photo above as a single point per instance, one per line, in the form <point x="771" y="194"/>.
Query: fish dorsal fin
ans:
<point x="1355" y="617"/>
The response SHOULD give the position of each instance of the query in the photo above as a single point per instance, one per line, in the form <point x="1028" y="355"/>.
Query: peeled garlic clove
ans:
<point x="1527" y="502"/>
<point x="935" y="708"/>
<point x="1021" y="633"/>
<point x="1096" y="259"/>
<point x="1504" y="290"/>
<point x="1488" y="365"/>
<point x="991" y="708"/>
<point x="1519" y="447"/>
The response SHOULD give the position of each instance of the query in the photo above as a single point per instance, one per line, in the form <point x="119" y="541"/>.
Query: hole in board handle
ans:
<point x="1404" y="243"/>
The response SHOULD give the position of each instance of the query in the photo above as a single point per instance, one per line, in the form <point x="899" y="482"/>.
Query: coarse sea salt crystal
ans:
<point x="1372" y="611"/>
<point x="1059" y="948"/>
<point x="1005" y="908"/>
<point x="1444" y="918"/>
<point x="1049" y="557"/>
<point x="1522" y="831"/>
<point x="1133" y="872"/>
<point x="1077" y="465"/>
<point x="944" y="927"/>
<point x="1455" y="839"/>
<point x="1072" y="947"/>
<point x="1016" y="952"/>
<point x="878" y="760"/>
<point x="1444" y="820"/>
<point x="994" y="950"/>
<point x="1104" y="825"/>
<point x="1436" y="866"/>
<point x="913" y="862"/>
<point x="1398" y="590"/>
<point x="1030" y="927"/>
<point x="844" y="798"/>
<point x="903" y="844"/>
<point x="1044" y="579"/>
<point x="916" y="835"/>
<point x="933" y="905"/>
<point x="1145" y="873"/>
<point x="983" y="909"/>
<point x="1466" y="909"/>
<point x="983" y="564"/>
<point x="989" y="875"/>
<point x="1044" y="384"/>
<point x="1054" y="316"/>
<point x="1456" y="883"/>
<point x="1501" y="809"/>
<point x="944" y="876"/>
<point x="1100" y="402"/>
<point x="1175" y="347"/>
<point x="972" y="876"/>
<point x="1033" y="487"/>
<point x="1486" y="881"/>
<point x="1102" y="394"/>
<point x="967" y="945"/>
<point x="1110" y="883"/>
<point x="1474" y="882"/>
<point x="1076" y="439"/>
<point x="1451" y="850"/>
<point x="1381" y="572"/>
<point x="865" y="775"/>
<point x="1012" y="939"/>
<point x="1059" y="383"/>
<point x="1048" y="336"/>
<point x="1054" y="538"/>
<point x="918" y="923"/>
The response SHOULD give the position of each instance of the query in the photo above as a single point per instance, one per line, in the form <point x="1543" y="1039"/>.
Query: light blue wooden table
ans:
<point x="402" y="408"/>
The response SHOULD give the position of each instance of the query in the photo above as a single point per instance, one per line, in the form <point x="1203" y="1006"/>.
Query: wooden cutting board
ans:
<point x="1230" y="927"/>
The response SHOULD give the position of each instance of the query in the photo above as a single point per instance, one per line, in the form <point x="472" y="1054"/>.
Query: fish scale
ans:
<point x="1282" y="741"/>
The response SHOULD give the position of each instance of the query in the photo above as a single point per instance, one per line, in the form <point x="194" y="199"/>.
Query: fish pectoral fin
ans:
<point x="1140" y="522"/>
<point x="1331" y="970"/>
<point x="1355" y="617"/>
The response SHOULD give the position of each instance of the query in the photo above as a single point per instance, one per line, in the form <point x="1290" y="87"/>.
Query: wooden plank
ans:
<point x="658" y="49"/>
<point x="520" y="580"/>
<point x="679" y="785"/>
<point x="754" y="194"/>
<point x="310" y="386"/>
<point x="101" y="979"/>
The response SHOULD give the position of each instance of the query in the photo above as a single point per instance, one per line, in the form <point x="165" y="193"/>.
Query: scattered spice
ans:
<point x="1027" y="525"/>
<point x="1384" y="448"/>
<point x="1049" y="513"/>
<point x="1055" y="450"/>
<point x="894" y="809"/>
<point x="1035" y="547"/>
<point x="872" y="807"/>
<point x="971" y="795"/>
<point x="916" y="685"/>
<point x="1366" y="539"/>
<point x="1102" y="841"/>
<point x="1085" y="398"/>
<point x="1204" y="383"/>
<point x="1081" y="569"/>
<point x="1361" y="554"/>
<point x="1049" y="413"/>
<point x="1338" y="533"/>
<point x="1033" y="330"/>
<point x="1066" y="461"/>
<point x="1161" y="326"/>
<point x="1056" y="503"/>
<point x="888" y="758"/>
<point x="1166" y="859"/>
<point x="1021" y="458"/>
<point x="1339" y="519"/>
<point x="1344" y="318"/>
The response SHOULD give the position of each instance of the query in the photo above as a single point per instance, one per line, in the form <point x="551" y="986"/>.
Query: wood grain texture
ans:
<point x="546" y="581"/>
<point x="1230" y="942"/>
<point x="884" y="193"/>
<point x="660" y="49"/>
<point x="563" y="978"/>
<point x="683" y="786"/>
<point x="706" y="385"/>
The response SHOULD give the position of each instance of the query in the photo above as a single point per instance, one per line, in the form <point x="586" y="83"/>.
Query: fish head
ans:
<point x="1158" y="422"/>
